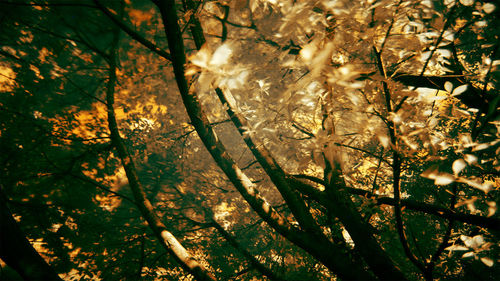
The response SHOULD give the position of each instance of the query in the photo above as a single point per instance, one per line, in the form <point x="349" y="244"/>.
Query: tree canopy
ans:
<point x="249" y="140"/>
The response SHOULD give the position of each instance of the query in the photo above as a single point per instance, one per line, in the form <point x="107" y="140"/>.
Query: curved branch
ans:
<point x="339" y="204"/>
<point x="334" y="257"/>
<point x="472" y="97"/>
<point x="271" y="167"/>
<point x="429" y="267"/>
<point x="132" y="33"/>
<point x="383" y="267"/>
<point x="168" y="241"/>
<point x="262" y="268"/>
<point x="17" y="252"/>
<point x="396" y="168"/>
<point x="442" y="212"/>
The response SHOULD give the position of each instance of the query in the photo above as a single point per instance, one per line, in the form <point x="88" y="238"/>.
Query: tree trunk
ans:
<point x="17" y="252"/>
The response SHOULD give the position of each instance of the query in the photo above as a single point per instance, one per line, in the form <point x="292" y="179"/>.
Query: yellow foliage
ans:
<point x="7" y="78"/>
<point x="138" y="17"/>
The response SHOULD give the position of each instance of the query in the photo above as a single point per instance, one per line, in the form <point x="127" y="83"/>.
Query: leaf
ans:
<point x="444" y="179"/>
<point x="430" y="173"/>
<point x="308" y="51"/>
<point x="488" y="8"/>
<point x="487" y="261"/>
<point x="458" y="90"/>
<point x="492" y="208"/>
<point x="458" y="166"/>
<point x="475" y="242"/>
<point x="467" y="2"/>
<point x="466" y="140"/>
<point x="201" y="57"/>
<point x="221" y="55"/>
<point x="483" y="146"/>
<point x="457" y="248"/>
<point x="468" y="254"/>
<point x="384" y="140"/>
<point x="448" y="86"/>
<point x="470" y="159"/>
<point x="486" y="187"/>
<point x="191" y="71"/>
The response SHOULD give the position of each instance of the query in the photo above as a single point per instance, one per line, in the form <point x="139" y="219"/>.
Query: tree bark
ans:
<point x="472" y="97"/>
<point x="167" y="239"/>
<point x="335" y="257"/>
<point x="17" y="252"/>
<point x="319" y="196"/>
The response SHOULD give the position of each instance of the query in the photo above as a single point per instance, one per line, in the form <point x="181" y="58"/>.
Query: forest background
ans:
<point x="249" y="140"/>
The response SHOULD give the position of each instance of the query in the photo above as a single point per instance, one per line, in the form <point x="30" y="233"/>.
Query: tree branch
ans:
<point x="442" y="212"/>
<point x="271" y="167"/>
<point x="51" y="4"/>
<point x="132" y="33"/>
<point x="168" y="241"/>
<point x="330" y="254"/>
<point x="17" y="252"/>
<point x="266" y="271"/>
<point x="429" y="267"/>
<point x="396" y="167"/>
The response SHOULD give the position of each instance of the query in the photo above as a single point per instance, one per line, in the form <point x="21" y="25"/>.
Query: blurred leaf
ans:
<point x="459" y="90"/>
<point x="448" y="86"/>
<point x="472" y="242"/>
<point x="470" y="159"/>
<point x="487" y="261"/>
<point x="458" y="166"/>
<point x="486" y="187"/>
<point x="457" y="248"/>
<point x="444" y="179"/>
<point x="468" y="254"/>
<point x="492" y="208"/>
<point x="467" y="2"/>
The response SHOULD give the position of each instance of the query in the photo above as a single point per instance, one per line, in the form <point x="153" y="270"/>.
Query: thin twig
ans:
<point x="132" y="33"/>
<point x="396" y="169"/>
<point x="429" y="268"/>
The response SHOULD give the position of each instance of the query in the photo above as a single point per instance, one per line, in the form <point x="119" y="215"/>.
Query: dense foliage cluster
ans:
<point x="249" y="140"/>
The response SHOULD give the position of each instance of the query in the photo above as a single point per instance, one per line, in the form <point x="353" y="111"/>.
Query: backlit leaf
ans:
<point x="458" y="166"/>
<point x="448" y="86"/>
<point x="384" y="140"/>
<point x="488" y="8"/>
<point x="430" y="173"/>
<point x="459" y="90"/>
<point x="492" y="208"/>
<point x="487" y="261"/>
<point x="467" y="2"/>
<point x="486" y="187"/>
<point x="221" y="55"/>
<point x="444" y="179"/>
<point x="468" y="254"/>
<point x="472" y="242"/>
<point x="457" y="248"/>
<point x="470" y="159"/>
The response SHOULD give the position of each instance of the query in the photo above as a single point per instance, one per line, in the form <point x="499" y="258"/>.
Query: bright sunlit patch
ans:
<point x="308" y="51"/>
<point x="201" y="57"/>
<point x="7" y="78"/>
<point x="137" y="16"/>
<point x="384" y="140"/>
<point x="488" y="8"/>
<point x="467" y="2"/>
<point x="221" y="55"/>
<point x="347" y="237"/>
<point x="222" y="211"/>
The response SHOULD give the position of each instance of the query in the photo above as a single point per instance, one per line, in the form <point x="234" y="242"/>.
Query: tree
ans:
<point x="361" y="138"/>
